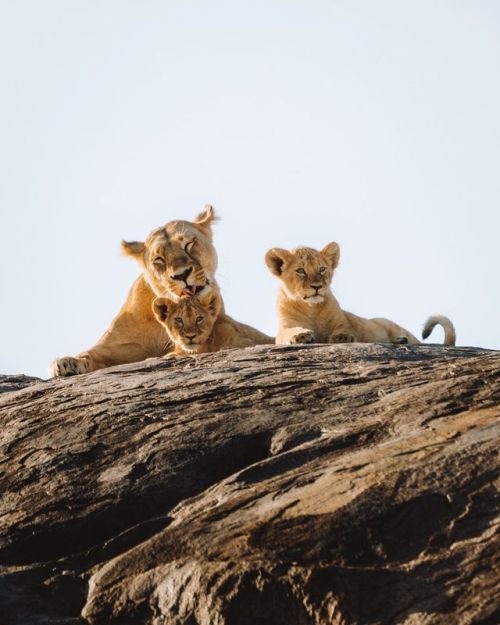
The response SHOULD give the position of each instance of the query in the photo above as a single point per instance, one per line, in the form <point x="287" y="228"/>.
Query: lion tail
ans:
<point x="450" y="336"/>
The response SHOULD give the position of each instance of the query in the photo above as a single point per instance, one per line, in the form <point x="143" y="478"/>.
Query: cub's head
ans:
<point x="190" y="320"/>
<point x="305" y="273"/>
<point x="178" y="259"/>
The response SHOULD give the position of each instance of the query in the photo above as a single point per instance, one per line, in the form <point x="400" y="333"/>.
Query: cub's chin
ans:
<point x="192" y="349"/>
<point x="315" y="299"/>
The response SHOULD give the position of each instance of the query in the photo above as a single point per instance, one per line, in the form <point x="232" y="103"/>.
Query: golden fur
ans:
<point x="198" y="325"/>
<point x="308" y="311"/>
<point x="177" y="260"/>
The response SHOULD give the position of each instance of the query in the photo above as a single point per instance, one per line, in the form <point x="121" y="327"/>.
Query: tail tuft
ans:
<point x="450" y="336"/>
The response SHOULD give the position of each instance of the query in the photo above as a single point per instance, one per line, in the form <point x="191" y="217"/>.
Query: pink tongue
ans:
<point x="187" y="290"/>
<point x="191" y="290"/>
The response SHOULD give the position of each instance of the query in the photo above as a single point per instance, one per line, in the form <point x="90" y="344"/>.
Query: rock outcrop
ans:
<point x="325" y="485"/>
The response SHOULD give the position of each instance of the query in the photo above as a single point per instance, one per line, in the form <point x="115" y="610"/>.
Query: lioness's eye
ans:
<point x="179" y="321"/>
<point x="199" y="319"/>
<point x="322" y="269"/>
<point x="189" y="245"/>
<point x="159" y="263"/>
<point x="301" y="271"/>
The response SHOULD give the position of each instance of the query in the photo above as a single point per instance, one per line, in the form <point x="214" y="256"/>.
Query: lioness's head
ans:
<point x="189" y="321"/>
<point x="178" y="259"/>
<point x="305" y="273"/>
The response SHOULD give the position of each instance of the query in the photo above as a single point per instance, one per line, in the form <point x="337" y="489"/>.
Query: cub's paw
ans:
<point x="62" y="367"/>
<point x="302" y="337"/>
<point x="342" y="337"/>
<point x="401" y="340"/>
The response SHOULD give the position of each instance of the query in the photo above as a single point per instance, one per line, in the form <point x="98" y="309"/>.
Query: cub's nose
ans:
<point x="316" y="287"/>
<point x="183" y="276"/>
<point x="190" y="337"/>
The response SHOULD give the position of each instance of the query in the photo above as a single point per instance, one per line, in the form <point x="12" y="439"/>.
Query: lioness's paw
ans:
<point x="302" y="337"/>
<point x="62" y="367"/>
<point x="342" y="337"/>
<point x="401" y="340"/>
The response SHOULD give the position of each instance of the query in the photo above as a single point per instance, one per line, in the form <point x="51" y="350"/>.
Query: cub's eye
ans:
<point x="301" y="271"/>
<point x="189" y="245"/>
<point x="199" y="319"/>
<point x="179" y="321"/>
<point x="322" y="269"/>
<point x="159" y="264"/>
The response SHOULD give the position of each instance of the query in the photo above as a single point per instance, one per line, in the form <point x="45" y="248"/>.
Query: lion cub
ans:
<point x="198" y="325"/>
<point x="308" y="311"/>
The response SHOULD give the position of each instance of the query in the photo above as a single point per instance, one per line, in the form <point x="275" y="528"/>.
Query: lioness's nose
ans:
<point x="183" y="276"/>
<point x="190" y="337"/>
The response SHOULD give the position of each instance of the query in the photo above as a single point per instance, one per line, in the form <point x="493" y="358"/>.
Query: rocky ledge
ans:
<point x="323" y="484"/>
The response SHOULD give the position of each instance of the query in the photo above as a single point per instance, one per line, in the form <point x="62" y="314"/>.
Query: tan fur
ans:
<point x="198" y="325"/>
<point x="308" y="311"/>
<point x="177" y="260"/>
<point x="449" y="331"/>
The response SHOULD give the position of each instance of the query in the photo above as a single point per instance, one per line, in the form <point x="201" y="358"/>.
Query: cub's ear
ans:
<point x="332" y="252"/>
<point x="206" y="218"/>
<point x="160" y="308"/>
<point x="210" y="301"/>
<point x="276" y="258"/>
<point x="133" y="248"/>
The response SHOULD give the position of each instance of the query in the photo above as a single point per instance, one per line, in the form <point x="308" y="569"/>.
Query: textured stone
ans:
<point x="333" y="484"/>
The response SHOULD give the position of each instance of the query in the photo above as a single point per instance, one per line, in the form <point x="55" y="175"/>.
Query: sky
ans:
<point x="373" y="124"/>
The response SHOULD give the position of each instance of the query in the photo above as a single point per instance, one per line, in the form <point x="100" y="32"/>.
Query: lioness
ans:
<point x="199" y="325"/>
<point x="308" y="311"/>
<point x="177" y="260"/>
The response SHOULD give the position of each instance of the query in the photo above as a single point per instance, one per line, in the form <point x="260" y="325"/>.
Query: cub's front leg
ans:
<point x="294" y="336"/>
<point x="176" y="354"/>
<point x="342" y="337"/>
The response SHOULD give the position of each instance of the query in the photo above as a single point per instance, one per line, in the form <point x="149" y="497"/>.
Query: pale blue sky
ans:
<point x="375" y="124"/>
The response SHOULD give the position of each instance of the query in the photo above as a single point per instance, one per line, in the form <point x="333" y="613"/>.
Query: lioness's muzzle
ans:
<point x="192" y="289"/>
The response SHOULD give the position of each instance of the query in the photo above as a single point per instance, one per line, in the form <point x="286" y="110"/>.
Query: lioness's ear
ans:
<point x="160" y="308"/>
<point x="206" y="218"/>
<point x="332" y="252"/>
<point x="133" y="248"/>
<point x="276" y="258"/>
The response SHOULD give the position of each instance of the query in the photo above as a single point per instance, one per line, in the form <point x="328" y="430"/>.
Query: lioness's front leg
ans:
<point x="134" y="335"/>
<point x="69" y="365"/>
<point x="105" y="354"/>
<point x="294" y="336"/>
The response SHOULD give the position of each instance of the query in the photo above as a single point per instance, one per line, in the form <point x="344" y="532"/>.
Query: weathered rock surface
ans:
<point x="341" y="484"/>
<point x="15" y="382"/>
